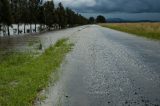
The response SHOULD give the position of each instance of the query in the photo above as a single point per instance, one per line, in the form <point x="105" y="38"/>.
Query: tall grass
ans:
<point x="149" y="30"/>
<point x="22" y="75"/>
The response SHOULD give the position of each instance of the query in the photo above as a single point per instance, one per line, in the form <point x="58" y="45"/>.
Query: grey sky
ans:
<point x="140" y="9"/>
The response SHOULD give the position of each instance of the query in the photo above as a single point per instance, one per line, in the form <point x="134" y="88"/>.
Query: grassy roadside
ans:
<point x="22" y="75"/>
<point x="148" y="30"/>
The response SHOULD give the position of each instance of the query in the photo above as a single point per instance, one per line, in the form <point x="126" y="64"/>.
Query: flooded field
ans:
<point x="29" y="42"/>
<point x="19" y="42"/>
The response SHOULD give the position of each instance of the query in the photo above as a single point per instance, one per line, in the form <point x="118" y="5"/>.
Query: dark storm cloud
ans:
<point x="136" y="6"/>
<point x="106" y="6"/>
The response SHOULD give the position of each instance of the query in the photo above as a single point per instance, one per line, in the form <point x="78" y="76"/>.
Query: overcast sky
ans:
<point x="127" y="9"/>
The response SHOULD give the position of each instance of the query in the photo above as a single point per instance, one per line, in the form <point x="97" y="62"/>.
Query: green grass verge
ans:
<point x="148" y="30"/>
<point x="23" y="76"/>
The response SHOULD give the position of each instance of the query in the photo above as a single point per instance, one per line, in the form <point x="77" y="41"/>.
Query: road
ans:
<point x="108" y="68"/>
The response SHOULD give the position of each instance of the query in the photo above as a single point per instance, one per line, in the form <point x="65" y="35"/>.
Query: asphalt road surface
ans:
<point x="108" y="68"/>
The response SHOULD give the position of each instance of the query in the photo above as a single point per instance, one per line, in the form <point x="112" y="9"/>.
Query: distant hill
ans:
<point x="120" y="20"/>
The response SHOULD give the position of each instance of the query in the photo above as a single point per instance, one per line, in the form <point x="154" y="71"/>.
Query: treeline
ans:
<point x="43" y="13"/>
<point x="98" y="19"/>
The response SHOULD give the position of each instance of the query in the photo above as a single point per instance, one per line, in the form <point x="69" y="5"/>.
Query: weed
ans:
<point x="23" y="76"/>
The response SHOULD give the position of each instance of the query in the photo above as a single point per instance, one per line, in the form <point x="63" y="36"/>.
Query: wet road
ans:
<point x="109" y="68"/>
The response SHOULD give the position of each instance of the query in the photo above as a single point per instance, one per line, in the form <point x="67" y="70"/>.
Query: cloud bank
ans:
<point x="109" y="6"/>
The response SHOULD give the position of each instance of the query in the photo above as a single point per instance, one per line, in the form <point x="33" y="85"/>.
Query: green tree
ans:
<point x="24" y="14"/>
<point x="100" y="19"/>
<point x="6" y="17"/>
<point x="38" y="12"/>
<point x="41" y="16"/>
<point x="70" y="17"/>
<point x="1" y="11"/>
<point x="62" y="15"/>
<point x="49" y="14"/>
<point x="1" y="16"/>
<point x="16" y="6"/>
<point x="35" y="5"/>
<point x="91" y="20"/>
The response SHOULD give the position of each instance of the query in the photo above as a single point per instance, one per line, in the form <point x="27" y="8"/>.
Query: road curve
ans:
<point x="110" y="68"/>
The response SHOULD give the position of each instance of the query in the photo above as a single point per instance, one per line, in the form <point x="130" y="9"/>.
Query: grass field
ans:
<point x="149" y="30"/>
<point x="23" y="75"/>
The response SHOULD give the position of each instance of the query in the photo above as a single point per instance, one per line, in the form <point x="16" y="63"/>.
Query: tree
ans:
<point x="91" y="20"/>
<point x="70" y="17"/>
<point x="49" y="14"/>
<point x="1" y="11"/>
<point x="25" y="14"/>
<point x="16" y="12"/>
<point x="62" y="16"/>
<point x="41" y="16"/>
<point x="100" y="19"/>
<point x="38" y="12"/>
<point x="35" y="4"/>
<point x="1" y="16"/>
<point x="6" y="18"/>
<point x="31" y="13"/>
